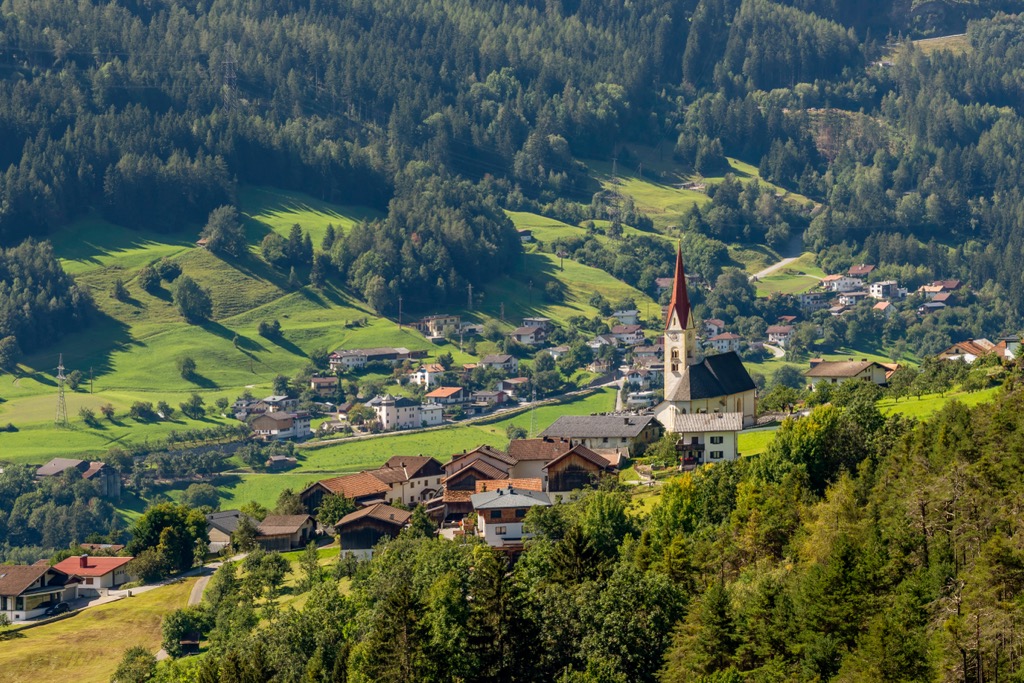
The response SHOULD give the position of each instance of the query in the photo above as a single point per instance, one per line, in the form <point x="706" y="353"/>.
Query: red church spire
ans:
<point x="680" y="299"/>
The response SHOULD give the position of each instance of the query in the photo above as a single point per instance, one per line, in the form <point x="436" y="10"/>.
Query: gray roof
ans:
<point x="57" y="465"/>
<point x="707" y="422"/>
<point x="225" y="520"/>
<point x="583" y="426"/>
<point x="719" y="375"/>
<point x="508" y="498"/>
<point x="497" y="359"/>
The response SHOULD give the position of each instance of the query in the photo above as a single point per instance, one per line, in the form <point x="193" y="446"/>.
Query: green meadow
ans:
<point x="798" y="277"/>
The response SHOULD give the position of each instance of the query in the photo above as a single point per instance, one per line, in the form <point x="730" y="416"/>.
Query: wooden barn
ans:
<point x="576" y="468"/>
<point x="359" y="531"/>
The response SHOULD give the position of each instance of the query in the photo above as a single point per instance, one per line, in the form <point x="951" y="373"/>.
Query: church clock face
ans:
<point x="674" y="336"/>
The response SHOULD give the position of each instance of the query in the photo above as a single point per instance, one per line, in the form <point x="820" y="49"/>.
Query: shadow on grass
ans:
<point x="202" y="382"/>
<point x="243" y="343"/>
<point x="10" y="635"/>
<point x="287" y="346"/>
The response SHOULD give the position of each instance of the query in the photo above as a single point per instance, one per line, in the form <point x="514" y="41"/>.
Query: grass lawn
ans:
<point x="88" y="646"/>
<point x="929" y="404"/>
<point x="353" y="456"/>
<point x="268" y="208"/>
<point x="754" y="442"/>
<point x="800" y="276"/>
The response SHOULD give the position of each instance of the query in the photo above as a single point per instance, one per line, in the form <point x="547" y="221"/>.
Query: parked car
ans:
<point x="59" y="608"/>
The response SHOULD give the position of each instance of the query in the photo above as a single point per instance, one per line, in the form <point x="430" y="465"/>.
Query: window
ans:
<point x="675" y="367"/>
<point x="675" y="354"/>
<point x="605" y="440"/>
<point x="717" y="439"/>
<point x="500" y="530"/>
<point x="495" y="514"/>
<point x="520" y="513"/>
<point x="717" y="455"/>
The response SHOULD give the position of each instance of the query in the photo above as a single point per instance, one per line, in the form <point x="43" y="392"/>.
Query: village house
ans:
<point x="427" y="375"/>
<point x="713" y="326"/>
<point x="632" y="433"/>
<point x="221" y="526"/>
<point x="885" y="308"/>
<point x="106" y="479"/>
<point x="663" y="284"/>
<point x="525" y="236"/>
<point x="628" y="335"/>
<point x="491" y="399"/>
<point x="655" y="352"/>
<point x="344" y="360"/>
<point x="404" y="413"/>
<point x="360" y="531"/>
<point x="281" y="403"/>
<point x="970" y="350"/>
<point x="501" y="362"/>
<point x="602" y="340"/>
<point x="886" y="289"/>
<point x="852" y="298"/>
<point x="324" y="386"/>
<point x="946" y="298"/>
<point x="930" y="307"/>
<point x="638" y="378"/>
<point x="556" y="352"/>
<point x="835" y="372"/>
<point x="638" y="400"/>
<point x="933" y="289"/>
<point x="405" y="479"/>
<point x="575" y="469"/>
<point x="627" y="317"/>
<point x="529" y="335"/>
<point x="530" y="455"/>
<point x="780" y="334"/>
<point x="98" y="575"/>
<point x="446" y="396"/>
<point x="433" y="326"/>
<point x="278" y="425"/>
<point x="500" y="515"/>
<point x="515" y="387"/>
<point x="840" y="283"/>
<point x="543" y="323"/>
<point x="860" y="271"/>
<point x="282" y="533"/>
<point x="706" y="437"/>
<point x="27" y="591"/>
<point x="812" y="301"/>
<point x="725" y="342"/>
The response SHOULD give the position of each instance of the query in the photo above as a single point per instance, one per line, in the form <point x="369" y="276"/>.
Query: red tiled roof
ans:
<point x="491" y="485"/>
<point x="779" y="329"/>
<point x="357" y="485"/>
<point x="444" y="392"/>
<point x="483" y="467"/>
<point x="94" y="566"/>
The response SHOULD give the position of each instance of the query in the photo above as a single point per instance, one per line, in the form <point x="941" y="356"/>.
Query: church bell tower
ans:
<point x="680" y="331"/>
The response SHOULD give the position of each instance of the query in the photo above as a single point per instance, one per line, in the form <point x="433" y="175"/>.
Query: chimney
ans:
<point x="625" y="420"/>
<point x="83" y="561"/>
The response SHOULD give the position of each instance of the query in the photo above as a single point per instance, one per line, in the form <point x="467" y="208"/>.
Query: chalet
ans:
<point x="834" y="372"/>
<point x="602" y="340"/>
<point x="840" y="283"/>
<point x="786" y="319"/>
<point x="103" y="476"/>
<point x="654" y="351"/>
<point x="404" y="413"/>
<point x="557" y="352"/>
<point x="860" y="271"/>
<point x="220" y="526"/>
<point x="630" y="432"/>
<point x="972" y="349"/>
<point x="497" y="459"/>
<point x="947" y="298"/>
<point x="707" y="437"/>
<point x="780" y="334"/>
<point x="446" y="396"/>
<point x="281" y="403"/>
<point x="543" y="323"/>
<point x="501" y="362"/>
<point x="837" y="310"/>
<point x="529" y="335"/>
<point x="492" y="399"/>
<point x="628" y="335"/>
<point x="362" y="488"/>
<point x="931" y="290"/>
<point x="360" y="531"/>
<point x="324" y="386"/>
<point x="514" y="387"/>
<point x="27" y="591"/>
<point x="575" y="469"/>
<point x="599" y="366"/>
<point x="930" y="307"/>
<point x="885" y="308"/>
<point x="627" y="317"/>
<point x="427" y="375"/>
<point x="886" y="289"/>
<point x="852" y="298"/>
<point x="812" y="301"/>
<point x="725" y="342"/>
<point x="638" y="378"/>
<point x="435" y="325"/>
<point x="97" y="574"/>
<point x="500" y="515"/>
<point x="525" y="236"/>
<point x="713" y="326"/>
<point x="282" y="533"/>
<point x="278" y="425"/>
<point x="405" y="479"/>
<point x="343" y="360"/>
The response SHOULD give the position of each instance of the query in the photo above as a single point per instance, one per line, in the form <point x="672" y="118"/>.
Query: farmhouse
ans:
<point x="285" y="532"/>
<point x="500" y="515"/>
<point x="324" y="386"/>
<point x="627" y="317"/>
<point x="529" y="336"/>
<point x="343" y="360"/>
<point x="780" y="334"/>
<point x="501" y="362"/>
<point x="543" y="323"/>
<point x="713" y="326"/>
<point x="840" y="283"/>
<point x="972" y="349"/>
<point x="861" y="271"/>
<point x="530" y="455"/>
<point x="427" y="375"/>
<point x="404" y="413"/>
<point x="105" y="477"/>
<point x="706" y="437"/>
<point x="632" y="433"/>
<point x="446" y="396"/>
<point x="221" y="526"/>
<point x="98" y="574"/>
<point x="435" y="325"/>
<point x="26" y="591"/>
<point x="575" y="469"/>
<point x="725" y="342"/>
<point x="405" y="479"/>
<point x="358" y="532"/>
<point x="834" y="372"/>
<point x="628" y="335"/>
<point x="277" y="425"/>
<point x="362" y="488"/>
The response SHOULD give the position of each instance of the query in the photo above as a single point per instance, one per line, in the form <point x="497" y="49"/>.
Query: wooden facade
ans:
<point x="572" y="472"/>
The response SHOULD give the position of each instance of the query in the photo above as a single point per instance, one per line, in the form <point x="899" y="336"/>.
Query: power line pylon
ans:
<point x="62" y="407"/>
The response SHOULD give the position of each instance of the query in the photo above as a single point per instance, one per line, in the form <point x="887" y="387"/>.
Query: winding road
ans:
<point x="795" y="246"/>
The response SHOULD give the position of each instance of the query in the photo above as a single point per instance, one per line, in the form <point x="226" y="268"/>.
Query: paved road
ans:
<point x="774" y="267"/>
<point x="792" y="251"/>
<point x="776" y="351"/>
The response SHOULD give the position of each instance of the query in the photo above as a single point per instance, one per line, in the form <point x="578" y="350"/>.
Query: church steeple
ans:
<point x="680" y="304"/>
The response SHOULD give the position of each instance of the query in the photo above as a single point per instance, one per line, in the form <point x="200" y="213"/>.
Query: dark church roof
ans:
<point x="719" y="375"/>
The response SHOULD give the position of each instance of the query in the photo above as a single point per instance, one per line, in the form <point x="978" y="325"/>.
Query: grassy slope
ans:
<point x="88" y="646"/>
<point x="800" y="276"/>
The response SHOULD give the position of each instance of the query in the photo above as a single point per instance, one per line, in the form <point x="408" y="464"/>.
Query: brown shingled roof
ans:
<point x="485" y="468"/>
<point x="489" y="451"/>
<point x="14" y="579"/>
<point x="527" y="484"/>
<point x="380" y="511"/>
<point x="537" y="449"/>
<point x="278" y="525"/>
<point x="839" y="368"/>
<point x="585" y="453"/>
<point x="357" y="485"/>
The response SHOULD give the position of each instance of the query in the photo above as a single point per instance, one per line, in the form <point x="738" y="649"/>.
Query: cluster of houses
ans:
<point x="28" y="591"/>
<point x="274" y="418"/>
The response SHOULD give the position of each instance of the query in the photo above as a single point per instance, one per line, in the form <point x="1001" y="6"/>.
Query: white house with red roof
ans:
<point x="98" y="574"/>
<point x="726" y="341"/>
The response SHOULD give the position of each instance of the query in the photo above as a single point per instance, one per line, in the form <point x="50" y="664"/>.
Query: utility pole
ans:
<point x="399" y="311"/>
<point x="471" y="296"/>
<point x="62" y="408"/>
<point x="533" y="413"/>
<point x="502" y="311"/>
<point x="91" y="389"/>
